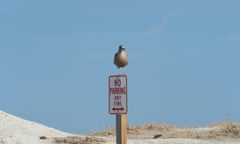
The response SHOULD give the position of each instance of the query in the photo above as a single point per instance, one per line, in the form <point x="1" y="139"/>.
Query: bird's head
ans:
<point x="121" y="48"/>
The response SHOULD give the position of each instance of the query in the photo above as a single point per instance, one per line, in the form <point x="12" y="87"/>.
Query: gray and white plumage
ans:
<point x="121" y="57"/>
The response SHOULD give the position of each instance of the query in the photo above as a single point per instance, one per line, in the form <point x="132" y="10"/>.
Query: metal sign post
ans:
<point x="118" y="105"/>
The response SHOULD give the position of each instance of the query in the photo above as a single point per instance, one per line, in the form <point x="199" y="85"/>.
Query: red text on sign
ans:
<point x="121" y="90"/>
<point x="117" y="101"/>
<point x="117" y="82"/>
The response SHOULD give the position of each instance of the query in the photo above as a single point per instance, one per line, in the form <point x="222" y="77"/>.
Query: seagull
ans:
<point x="121" y="57"/>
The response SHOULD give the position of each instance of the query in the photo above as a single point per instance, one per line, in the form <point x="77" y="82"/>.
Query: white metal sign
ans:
<point x="118" y="94"/>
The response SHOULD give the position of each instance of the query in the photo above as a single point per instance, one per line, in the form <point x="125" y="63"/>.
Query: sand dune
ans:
<point x="14" y="130"/>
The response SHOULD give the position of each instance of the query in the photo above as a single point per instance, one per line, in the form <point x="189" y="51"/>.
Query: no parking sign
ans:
<point x="118" y="94"/>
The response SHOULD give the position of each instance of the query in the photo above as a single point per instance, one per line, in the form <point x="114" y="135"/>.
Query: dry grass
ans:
<point x="221" y="130"/>
<point x="78" y="140"/>
<point x="136" y="129"/>
<point x="229" y="129"/>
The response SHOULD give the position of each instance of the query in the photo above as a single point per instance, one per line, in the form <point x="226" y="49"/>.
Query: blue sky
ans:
<point x="56" y="56"/>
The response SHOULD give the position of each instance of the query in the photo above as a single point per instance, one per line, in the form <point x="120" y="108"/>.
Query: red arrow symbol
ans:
<point x="118" y="109"/>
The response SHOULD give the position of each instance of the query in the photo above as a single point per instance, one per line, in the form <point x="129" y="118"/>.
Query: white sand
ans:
<point x="14" y="130"/>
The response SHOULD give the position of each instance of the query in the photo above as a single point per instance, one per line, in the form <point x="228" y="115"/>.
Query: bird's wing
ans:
<point x="115" y="58"/>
